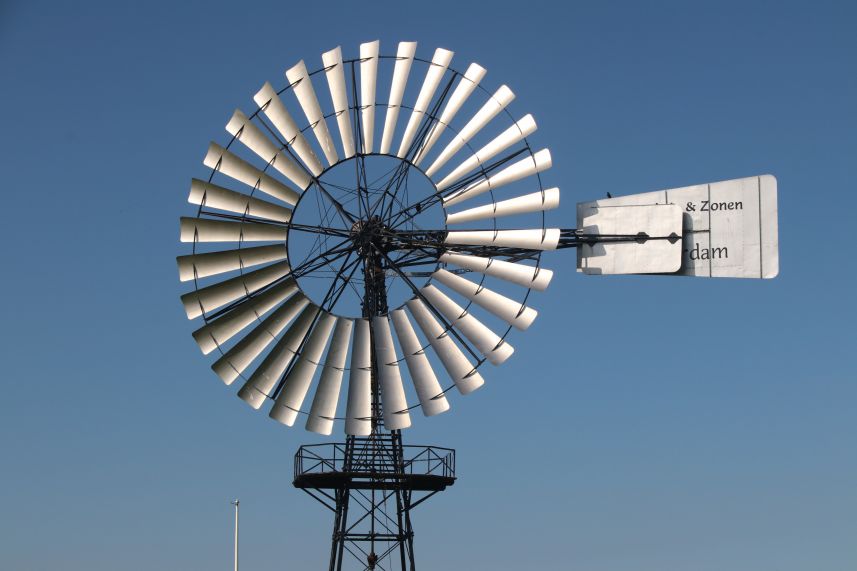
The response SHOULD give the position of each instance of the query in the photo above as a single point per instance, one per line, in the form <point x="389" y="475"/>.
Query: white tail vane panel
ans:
<point x="232" y="363"/>
<point x="547" y="199"/>
<point x="514" y="134"/>
<point x="519" y="273"/>
<point x="252" y="137"/>
<point x="213" y="196"/>
<point x="527" y="166"/>
<point x="209" y="298"/>
<point x="512" y="312"/>
<point x="358" y="411"/>
<point x="266" y="376"/>
<point x="297" y="382"/>
<point x="495" y="349"/>
<point x="393" y="403"/>
<point x="462" y="372"/>
<point x="492" y="107"/>
<point x="438" y="67"/>
<point x="237" y="168"/>
<point x="469" y="81"/>
<point x="729" y="229"/>
<point x="335" y="72"/>
<point x="534" y="239"/>
<point x="428" y="388"/>
<point x="198" y="266"/>
<point x="274" y="109"/>
<point x="302" y="87"/>
<point x="217" y="332"/>
<point x="404" y="60"/>
<point x="323" y="411"/>
<point x="207" y="230"/>
<point x="368" y="81"/>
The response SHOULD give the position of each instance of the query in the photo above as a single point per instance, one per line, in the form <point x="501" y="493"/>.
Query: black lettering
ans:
<point x="704" y="206"/>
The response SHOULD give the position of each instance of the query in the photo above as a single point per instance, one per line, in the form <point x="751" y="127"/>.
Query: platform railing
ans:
<point x="329" y="458"/>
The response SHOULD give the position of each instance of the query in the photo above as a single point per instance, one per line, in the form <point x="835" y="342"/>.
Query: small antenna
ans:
<point x="235" y="503"/>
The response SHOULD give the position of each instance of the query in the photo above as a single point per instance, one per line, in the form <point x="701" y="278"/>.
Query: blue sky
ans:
<point x="644" y="423"/>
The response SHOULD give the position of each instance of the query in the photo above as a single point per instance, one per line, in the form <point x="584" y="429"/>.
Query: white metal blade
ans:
<point x="302" y="87"/>
<point x="232" y="363"/>
<point x="469" y="81"/>
<point x="512" y="312"/>
<point x="432" y="399"/>
<point x="393" y="402"/>
<point x="536" y="278"/>
<point x="501" y="98"/>
<point x="297" y="382"/>
<point x="252" y="137"/>
<point x="368" y="80"/>
<point x="534" y="239"/>
<point x="523" y="168"/>
<point x="439" y="64"/>
<point x="217" y="295"/>
<point x="323" y="411"/>
<point x="358" y="412"/>
<point x="196" y="266"/>
<point x="266" y="376"/>
<point x="219" y="331"/>
<point x="534" y="202"/>
<point x="335" y="72"/>
<point x="466" y="378"/>
<point x="220" y="198"/>
<point x="404" y="59"/>
<point x="517" y="132"/>
<point x="495" y="349"/>
<point x="271" y="104"/>
<point x="234" y="167"/>
<point x="207" y="230"/>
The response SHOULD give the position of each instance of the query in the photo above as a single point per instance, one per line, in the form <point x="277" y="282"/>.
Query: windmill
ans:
<point x="382" y="219"/>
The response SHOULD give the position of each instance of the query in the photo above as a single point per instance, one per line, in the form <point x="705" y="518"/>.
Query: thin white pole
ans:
<point x="235" y="503"/>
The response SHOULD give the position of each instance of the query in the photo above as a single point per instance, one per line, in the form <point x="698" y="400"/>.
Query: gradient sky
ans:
<point x="645" y="423"/>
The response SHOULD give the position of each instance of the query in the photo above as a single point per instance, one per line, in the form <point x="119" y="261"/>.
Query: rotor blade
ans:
<point x="323" y="411"/>
<point x="512" y="312"/>
<point x="393" y="402"/>
<point x="495" y="349"/>
<point x="466" y="378"/>
<point x="536" y="278"/>
<point x="302" y="86"/>
<point x="358" y="413"/>
<point x="432" y="399"/>
<point x="368" y="80"/>
<point x="275" y="110"/>
<point x="492" y="107"/>
<point x="465" y="87"/>
<point x="268" y="373"/>
<point x="534" y="239"/>
<point x="205" y="193"/>
<point x="217" y="295"/>
<point x="252" y="137"/>
<point x="196" y="266"/>
<point x="527" y="166"/>
<point x="540" y="201"/>
<point x="439" y="64"/>
<point x="517" y="132"/>
<point x="217" y="332"/>
<point x="404" y="60"/>
<point x="335" y="72"/>
<point x="297" y="382"/>
<point x="232" y="363"/>
<point x="206" y="230"/>
<point x="234" y="167"/>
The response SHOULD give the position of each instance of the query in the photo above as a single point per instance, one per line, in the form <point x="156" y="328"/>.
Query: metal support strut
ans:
<point x="369" y="482"/>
